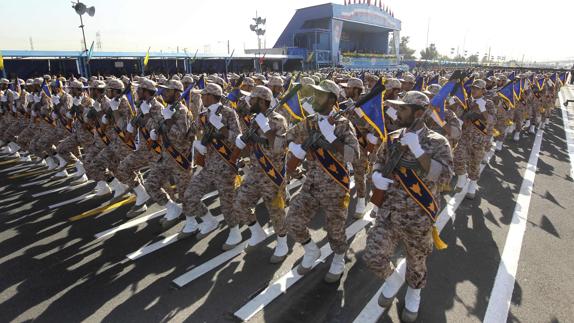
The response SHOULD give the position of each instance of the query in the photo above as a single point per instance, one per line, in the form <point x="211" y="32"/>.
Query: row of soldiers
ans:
<point x="191" y="135"/>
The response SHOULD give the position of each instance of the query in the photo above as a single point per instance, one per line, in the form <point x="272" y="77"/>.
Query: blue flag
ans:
<point x="201" y="83"/>
<point x="233" y="97"/>
<point x="374" y="114"/>
<point x="130" y="97"/>
<point x="507" y="94"/>
<point x="46" y="89"/>
<point x="293" y="106"/>
<point x="461" y="93"/>
<point x="517" y="89"/>
<point x="186" y="95"/>
<point x="439" y="101"/>
<point x="419" y="84"/>
<point x="512" y="76"/>
<point x="433" y="80"/>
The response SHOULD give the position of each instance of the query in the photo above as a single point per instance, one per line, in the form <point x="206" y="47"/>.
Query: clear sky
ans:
<point x="539" y="30"/>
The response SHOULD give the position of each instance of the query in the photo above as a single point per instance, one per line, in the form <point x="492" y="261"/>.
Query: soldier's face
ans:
<point x="476" y="92"/>
<point x="255" y="105"/>
<point x="322" y="102"/>
<point x="277" y="89"/>
<point x="169" y="95"/>
<point x="405" y="115"/>
<point x="306" y="91"/>
<point x="75" y="92"/>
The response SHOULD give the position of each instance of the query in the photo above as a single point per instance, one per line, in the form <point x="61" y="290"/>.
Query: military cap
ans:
<point x="412" y="98"/>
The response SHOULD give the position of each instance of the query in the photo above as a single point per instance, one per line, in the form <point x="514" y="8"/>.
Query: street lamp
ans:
<point x="81" y="9"/>
<point x="258" y="28"/>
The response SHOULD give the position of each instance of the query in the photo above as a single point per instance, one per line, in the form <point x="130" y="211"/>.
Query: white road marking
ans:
<point x="227" y="255"/>
<point x="146" y="250"/>
<point x="501" y="294"/>
<point x="568" y="130"/>
<point x="141" y="219"/>
<point x="215" y="262"/>
<point x="372" y="311"/>
<point x="130" y="224"/>
<point x="75" y="199"/>
<point x="280" y="286"/>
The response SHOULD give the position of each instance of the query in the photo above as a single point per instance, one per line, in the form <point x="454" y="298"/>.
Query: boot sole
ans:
<point x="302" y="270"/>
<point x="133" y="213"/>
<point x="166" y="225"/>
<point x="227" y="247"/>
<point x="185" y="235"/>
<point x="385" y="302"/>
<point x="408" y="316"/>
<point x="332" y="278"/>
<point x="277" y="259"/>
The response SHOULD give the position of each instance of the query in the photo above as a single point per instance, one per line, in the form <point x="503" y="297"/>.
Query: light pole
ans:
<point x="81" y="9"/>
<point x="258" y="30"/>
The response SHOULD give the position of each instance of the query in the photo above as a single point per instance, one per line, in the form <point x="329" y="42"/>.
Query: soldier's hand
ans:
<point x="153" y="135"/>
<point x="382" y="183"/>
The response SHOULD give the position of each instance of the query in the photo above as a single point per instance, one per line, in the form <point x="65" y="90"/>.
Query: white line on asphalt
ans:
<point x="75" y="199"/>
<point x="141" y="219"/>
<point x="501" y="294"/>
<point x="280" y="286"/>
<point x="215" y="262"/>
<point x="568" y="130"/>
<point x="372" y="311"/>
<point x="146" y="250"/>
<point x="130" y="224"/>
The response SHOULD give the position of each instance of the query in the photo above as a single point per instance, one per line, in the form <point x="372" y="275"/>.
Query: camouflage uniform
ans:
<point x="8" y="117"/>
<point x="452" y="123"/>
<point x="108" y="159"/>
<point x="166" y="168"/>
<point x="469" y="152"/>
<point x="256" y="184"/>
<point x="30" y="124"/>
<point x="401" y="219"/>
<point x="94" y="144"/>
<point x="69" y="148"/>
<point x="19" y="122"/>
<point x="320" y="191"/>
<point x="127" y="171"/>
<point x="46" y="134"/>
<point x="361" y="164"/>
<point x="217" y="174"/>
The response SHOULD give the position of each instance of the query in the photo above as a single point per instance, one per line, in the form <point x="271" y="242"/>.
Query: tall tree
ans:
<point x="404" y="49"/>
<point x="430" y="53"/>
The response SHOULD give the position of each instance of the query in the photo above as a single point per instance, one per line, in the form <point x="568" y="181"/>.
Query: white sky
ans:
<point x="539" y="30"/>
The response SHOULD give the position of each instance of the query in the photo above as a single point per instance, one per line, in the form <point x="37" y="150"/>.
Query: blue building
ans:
<point x="354" y="36"/>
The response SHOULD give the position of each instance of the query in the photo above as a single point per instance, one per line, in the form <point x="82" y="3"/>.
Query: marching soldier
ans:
<point x="326" y="185"/>
<point x="264" y="177"/>
<point x="219" y="126"/>
<point x="468" y="154"/>
<point x="176" y="133"/>
<point x="426" y="163"/>
<point x="354" y="90"/>
<point x="116" y="113"/>
<point x="149" y="118"/>
<point x="68" y="149"/>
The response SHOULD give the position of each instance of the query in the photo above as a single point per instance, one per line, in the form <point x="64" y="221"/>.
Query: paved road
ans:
<point x="53" y="269"/>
